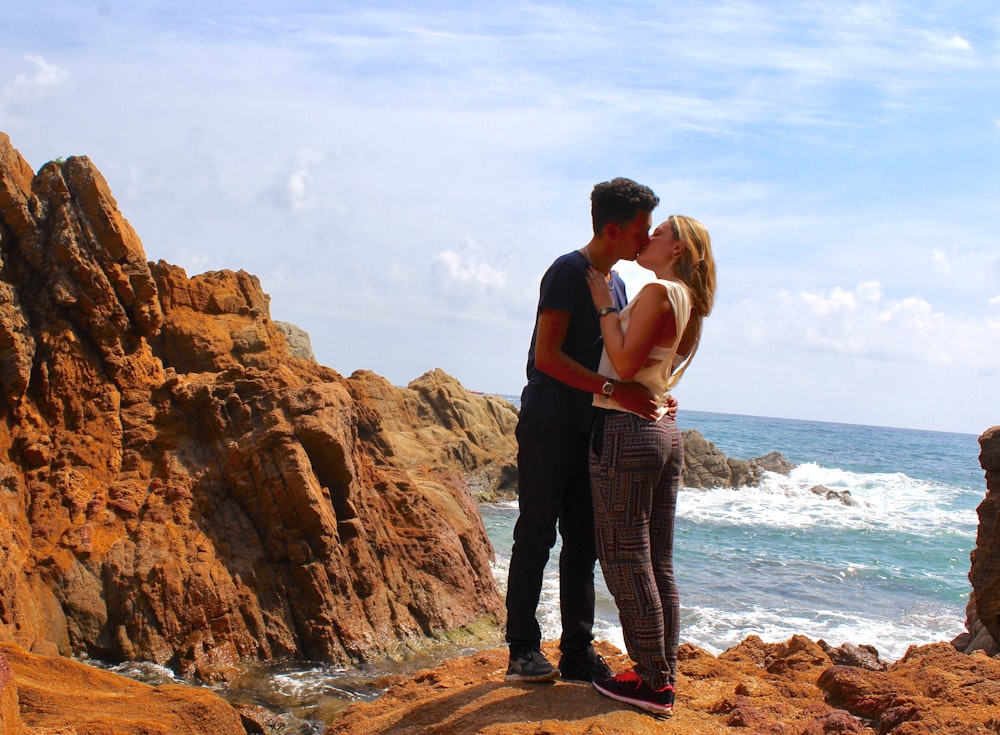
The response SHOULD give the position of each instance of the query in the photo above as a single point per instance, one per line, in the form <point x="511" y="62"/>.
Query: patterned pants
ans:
<point x="635" y="471"/>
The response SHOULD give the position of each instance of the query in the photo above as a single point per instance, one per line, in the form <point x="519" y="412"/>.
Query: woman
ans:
<point x="635" y="463"/>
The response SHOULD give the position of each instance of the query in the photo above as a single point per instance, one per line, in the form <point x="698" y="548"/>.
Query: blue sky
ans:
<point x="400" y="174"/>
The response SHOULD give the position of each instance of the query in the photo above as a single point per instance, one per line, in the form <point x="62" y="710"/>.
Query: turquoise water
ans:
<point x="776" y="560"/>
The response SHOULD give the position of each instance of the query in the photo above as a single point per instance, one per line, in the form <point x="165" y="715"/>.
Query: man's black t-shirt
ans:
<point x="564" y="288"/>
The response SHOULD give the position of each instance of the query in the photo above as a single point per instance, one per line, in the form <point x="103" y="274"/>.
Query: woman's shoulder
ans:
<point x="665" y="289"/>
<point x="668" y="293"/>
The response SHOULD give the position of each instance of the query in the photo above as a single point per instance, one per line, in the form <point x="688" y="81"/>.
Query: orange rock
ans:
<point x="935" y="689"/>
<point x="983" y="611"/>
<point x="59" y="695"/>
<point x="179" y="488"/>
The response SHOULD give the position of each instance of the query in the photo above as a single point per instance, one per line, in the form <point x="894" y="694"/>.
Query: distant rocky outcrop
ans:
<point x="436" y="428"/>
<point x="176" y="486"/>
<point x="983" y="609"/>
<point x="706" y="466"/>
<point x="298" y="340"/>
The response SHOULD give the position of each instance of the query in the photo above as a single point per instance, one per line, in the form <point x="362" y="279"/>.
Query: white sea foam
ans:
<point x="878" y="501"/>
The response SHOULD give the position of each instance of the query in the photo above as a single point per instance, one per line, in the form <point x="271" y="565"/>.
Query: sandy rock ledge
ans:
<point x="799" y="687"/>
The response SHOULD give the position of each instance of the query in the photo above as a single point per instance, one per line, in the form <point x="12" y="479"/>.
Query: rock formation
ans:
<point x="176" y="486"/>
<point x="298" y="340"/>
<point x="705" y="466"/>
<point x="983" y="609"/>
<point x="62" y="697"/>
<point x="799" y="687"/>
<point x="436" y="428"/>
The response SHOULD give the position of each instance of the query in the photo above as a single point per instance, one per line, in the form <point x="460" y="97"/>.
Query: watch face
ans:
<point x="609" y="388"/>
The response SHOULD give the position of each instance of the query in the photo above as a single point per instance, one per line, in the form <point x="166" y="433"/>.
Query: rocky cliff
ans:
<point x="176" y="486"/>
<point x="983" y="608"/>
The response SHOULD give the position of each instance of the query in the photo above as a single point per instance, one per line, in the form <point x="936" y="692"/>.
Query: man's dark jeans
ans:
<point x="553" y="492"/>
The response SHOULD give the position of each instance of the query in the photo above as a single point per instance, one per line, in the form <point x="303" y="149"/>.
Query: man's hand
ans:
<point x="671" y="407"/>
<point x="637" y="399"/>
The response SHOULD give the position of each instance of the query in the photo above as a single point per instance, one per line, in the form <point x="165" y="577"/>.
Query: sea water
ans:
<point x="890" y="569"/>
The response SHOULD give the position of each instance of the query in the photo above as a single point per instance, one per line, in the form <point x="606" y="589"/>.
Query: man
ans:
<point x="553" y="434"/>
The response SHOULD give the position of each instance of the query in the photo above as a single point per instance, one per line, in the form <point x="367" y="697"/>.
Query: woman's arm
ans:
<point x="652" y="322"/>
<point x="552" y="360"/>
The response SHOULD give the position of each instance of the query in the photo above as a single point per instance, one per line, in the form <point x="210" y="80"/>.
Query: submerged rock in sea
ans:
<point x="706" y="466"/>
<point x="177" y="487"/>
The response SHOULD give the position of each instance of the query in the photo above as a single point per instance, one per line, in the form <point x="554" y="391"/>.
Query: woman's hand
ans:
<point x="600" y="291"/>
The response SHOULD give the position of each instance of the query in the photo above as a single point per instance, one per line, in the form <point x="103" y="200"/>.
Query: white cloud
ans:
<point x="46" y="77"/>
<point x="25" y="88"/>
<point x="463" y="269"/>
<point x="862" y="322"/>
<point x="941" y="261"/>
<point x="299" y="190"/>
<point x="960" y="43"/>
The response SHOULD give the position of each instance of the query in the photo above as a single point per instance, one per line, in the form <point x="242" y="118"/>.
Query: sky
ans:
<point x="400" y="174"/>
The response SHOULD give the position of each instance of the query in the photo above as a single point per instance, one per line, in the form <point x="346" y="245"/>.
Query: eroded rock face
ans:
<point x="175" y="485"/>
<point x="983" y="609"/>
<point x="435" y="427"/>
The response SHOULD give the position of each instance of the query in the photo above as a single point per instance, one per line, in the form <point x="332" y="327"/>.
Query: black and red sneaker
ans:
<point x="629" y="687"/>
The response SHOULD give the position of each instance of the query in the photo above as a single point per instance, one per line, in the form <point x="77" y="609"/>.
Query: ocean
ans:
<point x="890" y="570"/>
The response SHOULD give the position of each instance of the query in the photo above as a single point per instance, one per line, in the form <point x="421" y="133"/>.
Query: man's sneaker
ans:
<point x="531" y="666"/>
<point x="630" y="688"/>
<point x="587" y="667"/>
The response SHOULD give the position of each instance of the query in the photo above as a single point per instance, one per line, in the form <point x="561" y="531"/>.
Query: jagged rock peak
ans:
<point x="177" y="486"/>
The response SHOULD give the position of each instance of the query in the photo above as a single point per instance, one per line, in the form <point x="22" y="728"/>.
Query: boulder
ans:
<point x="299" y="343"/>
<point x="705" y="466"/>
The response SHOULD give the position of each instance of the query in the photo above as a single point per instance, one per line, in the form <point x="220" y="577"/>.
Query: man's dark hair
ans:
<point x="619" y="201"/>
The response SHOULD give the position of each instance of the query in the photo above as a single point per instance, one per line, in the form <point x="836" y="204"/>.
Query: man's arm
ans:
<point x="551" y="360"/>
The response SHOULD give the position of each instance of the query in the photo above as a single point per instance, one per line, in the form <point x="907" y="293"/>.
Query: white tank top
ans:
<point x="658" y="376"/>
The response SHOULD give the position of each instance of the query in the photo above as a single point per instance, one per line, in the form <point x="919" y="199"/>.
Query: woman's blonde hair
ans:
<point x="696" y="269"/>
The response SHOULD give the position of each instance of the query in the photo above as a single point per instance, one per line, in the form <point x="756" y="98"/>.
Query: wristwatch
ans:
<point x="608" y="388"/>
<point x="606" y="310"/>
